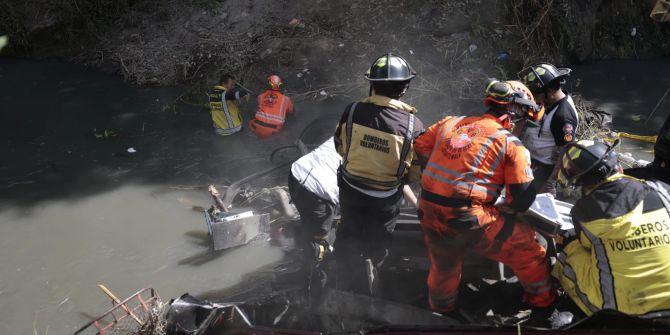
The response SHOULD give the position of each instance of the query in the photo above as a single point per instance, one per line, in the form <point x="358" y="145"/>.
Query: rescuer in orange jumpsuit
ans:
<point x="467" y="163"/>
<point x="272" y="109"/>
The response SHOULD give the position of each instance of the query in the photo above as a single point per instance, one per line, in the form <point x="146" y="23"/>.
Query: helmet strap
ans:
<point x="506" y="121"/>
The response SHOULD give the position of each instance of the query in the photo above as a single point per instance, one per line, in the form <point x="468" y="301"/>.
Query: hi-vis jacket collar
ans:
<point x="388" y="102"/>
<point x="219" y="87"/>
<point x="609" y="179"/>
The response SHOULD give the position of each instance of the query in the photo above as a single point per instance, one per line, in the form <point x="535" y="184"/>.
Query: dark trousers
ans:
<point x="316" y="220"/>
<point x="543" y="182"/>
<point x="316" y="214"/>
<point x="365" y="232"/>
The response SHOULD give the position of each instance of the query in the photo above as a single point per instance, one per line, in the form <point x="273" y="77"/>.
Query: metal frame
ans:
<point x="142" y="301"/>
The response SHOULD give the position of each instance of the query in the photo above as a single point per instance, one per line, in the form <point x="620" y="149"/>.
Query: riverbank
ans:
<point x="321" y="48"/>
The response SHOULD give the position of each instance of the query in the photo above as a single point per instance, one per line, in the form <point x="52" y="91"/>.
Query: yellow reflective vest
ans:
<point x="621" y="260"/>
<point x="225" y="113"/>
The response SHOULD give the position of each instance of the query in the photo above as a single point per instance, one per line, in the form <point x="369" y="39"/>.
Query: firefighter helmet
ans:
<point x="275" y="82"/>
<point x="516" y="95"/>
<point x="390" y="67"/>
<point x="587" y="162"/>
<point x="542" y="75"/>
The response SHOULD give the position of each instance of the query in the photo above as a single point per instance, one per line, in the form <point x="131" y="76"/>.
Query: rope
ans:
<point x="649" y="139"/>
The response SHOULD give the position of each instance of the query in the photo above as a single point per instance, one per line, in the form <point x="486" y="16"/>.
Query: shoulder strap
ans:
<point x="349" y="129"/>
<point x="406" y="145"/>
<point x="662" y="193"/>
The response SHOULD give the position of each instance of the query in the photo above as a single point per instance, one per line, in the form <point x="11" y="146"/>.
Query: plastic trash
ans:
<point x="472" y="48"/>
<point x="323" y="93"/>
<point x="502" y="56"/>
<point x="560" y="319"/>
<point x="296" y="23"/>
<point x="411" y="52"/>
<point x="633" y="32"/>
<point x="131" y="150"/>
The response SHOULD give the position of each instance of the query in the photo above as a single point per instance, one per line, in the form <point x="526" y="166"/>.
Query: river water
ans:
<point x="77" y="210"/>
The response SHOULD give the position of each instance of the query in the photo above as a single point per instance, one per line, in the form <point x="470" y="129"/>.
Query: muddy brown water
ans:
<point x="76" y="210"/>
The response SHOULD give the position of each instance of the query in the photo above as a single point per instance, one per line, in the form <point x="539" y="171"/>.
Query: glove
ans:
<point x="319" y="249"/>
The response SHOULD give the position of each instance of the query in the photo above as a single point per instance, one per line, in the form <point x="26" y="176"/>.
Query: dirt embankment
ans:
<point x="322" y="47"/>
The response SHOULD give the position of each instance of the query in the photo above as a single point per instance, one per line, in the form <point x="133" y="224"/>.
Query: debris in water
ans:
<point x="131" y="150"/>
<point x="340" y="45"/>
<point x="299" y="75"/>
<point x="502" y="56"/>
<point x="323" y="93"/>
<point x="411" y="51"/>
<point x="296" y="23"/>
<point x="633" y="32"/>
<point x="472" y="47"/>
<point x="104" y="134"/>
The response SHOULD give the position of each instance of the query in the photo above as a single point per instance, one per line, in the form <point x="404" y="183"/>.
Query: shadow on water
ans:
<point x="52" y="112"/>
<point x="76" y="210"/>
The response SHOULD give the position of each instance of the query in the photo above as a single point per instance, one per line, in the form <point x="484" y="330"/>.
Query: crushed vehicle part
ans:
<point x="233" y="228"/>
<point x="190" y="316"/>
<point x="337" y="312"/>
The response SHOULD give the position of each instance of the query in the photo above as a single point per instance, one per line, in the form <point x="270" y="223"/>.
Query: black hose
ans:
<point x="275" y="151"/>
<point x="315" y="121"/>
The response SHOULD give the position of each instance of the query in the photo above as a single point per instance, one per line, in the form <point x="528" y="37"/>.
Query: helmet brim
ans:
<point x="367" y="77"/>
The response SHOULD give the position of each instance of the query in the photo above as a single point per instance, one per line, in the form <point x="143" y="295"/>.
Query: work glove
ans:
<point x="319" y="249"/>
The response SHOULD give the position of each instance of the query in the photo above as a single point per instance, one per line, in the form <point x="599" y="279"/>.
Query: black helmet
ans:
<point x="587" y="162"/>
<point x="390" y="68"/>
<point x="540" y="76"/>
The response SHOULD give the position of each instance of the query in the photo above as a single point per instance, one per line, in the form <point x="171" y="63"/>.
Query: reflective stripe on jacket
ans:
<point x="540" y="140"/>
<point x="469" y="161"/>
<point x="621" y="260"/>
<point x="272" y="107"/>
<point x="225" y="113"/>
<point x="375" y="138"/>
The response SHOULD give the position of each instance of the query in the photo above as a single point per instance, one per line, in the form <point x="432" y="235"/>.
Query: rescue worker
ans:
<point x="555" y="128"/>
<point x="312" y="185"/>
<point x="273" y="106"/>
<point x="375" y="137"/>
<point x="468" y="161"/>
<point x="661" y="164"/>
<point x="224" y="104"/>
<point x="618" y="256"/>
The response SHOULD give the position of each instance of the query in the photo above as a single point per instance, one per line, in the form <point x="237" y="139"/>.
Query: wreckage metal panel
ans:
<point x="225" y="235"/>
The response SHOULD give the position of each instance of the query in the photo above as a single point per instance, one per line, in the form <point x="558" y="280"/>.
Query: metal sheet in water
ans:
<point x="236" y="232"/>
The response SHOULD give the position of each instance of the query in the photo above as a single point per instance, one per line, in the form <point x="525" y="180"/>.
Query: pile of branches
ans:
<point x="594" y="124"/>
<point x="155" y="323"/>
<point x="148" y="52"/>
<point x="539" y="28"/>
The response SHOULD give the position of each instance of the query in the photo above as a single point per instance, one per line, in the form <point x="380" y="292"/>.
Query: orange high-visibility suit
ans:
<point x="272" y="109"/>
<point x="468" y="162"/>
